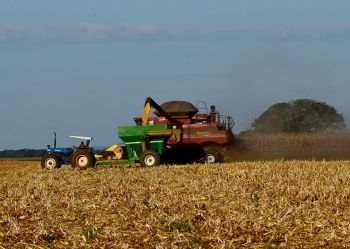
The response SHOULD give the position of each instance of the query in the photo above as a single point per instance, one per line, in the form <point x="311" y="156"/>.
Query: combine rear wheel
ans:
<point x="149" y="158"/>
<point x="83" y="159"/>
<point x="51" y="161"/>
<point x="212" y="154"/>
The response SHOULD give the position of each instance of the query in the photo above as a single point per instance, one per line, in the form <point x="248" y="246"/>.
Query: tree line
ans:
<point x="22" y="153"/>
<point x="300" y="116"/>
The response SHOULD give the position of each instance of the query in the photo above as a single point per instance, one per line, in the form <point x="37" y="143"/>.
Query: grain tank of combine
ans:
<point x="200" y="135"/>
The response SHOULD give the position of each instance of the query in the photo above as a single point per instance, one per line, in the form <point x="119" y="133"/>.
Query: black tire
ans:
<point x="83" y="159"/>
<point x="149" y="158"/>
<point x="51" y="161"/>
<point x="212" y="154"/>
<point x="93" y="161"/>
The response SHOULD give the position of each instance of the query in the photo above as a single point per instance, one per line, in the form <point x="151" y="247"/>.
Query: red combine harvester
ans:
<point x="198" y="137"/>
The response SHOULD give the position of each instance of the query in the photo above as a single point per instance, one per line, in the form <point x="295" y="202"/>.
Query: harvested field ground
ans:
<point x="279" y="204"/>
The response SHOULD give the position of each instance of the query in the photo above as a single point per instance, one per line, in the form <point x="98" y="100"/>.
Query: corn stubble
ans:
<point x="273" y="204"/>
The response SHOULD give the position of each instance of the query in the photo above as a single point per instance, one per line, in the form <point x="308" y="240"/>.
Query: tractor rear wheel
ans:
<point x="149" y="158"/>
<point x="83" y="159"/>
<point x="212" y="154"/>
<point x="51" y="161"/>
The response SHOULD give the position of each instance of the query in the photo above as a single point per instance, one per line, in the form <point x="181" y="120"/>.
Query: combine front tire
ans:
<point x="51" y="161"/>
<point x="212" y="155"/>
<point x="83" y="159"/>
<point x="149" y="158"/>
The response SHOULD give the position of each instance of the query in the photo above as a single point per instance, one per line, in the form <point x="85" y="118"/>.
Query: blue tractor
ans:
<point x="80" y="157"/>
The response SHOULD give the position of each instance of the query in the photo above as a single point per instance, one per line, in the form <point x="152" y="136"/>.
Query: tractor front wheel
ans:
<point x="149" y="158"/>
<point x="83" y="159"/>
<point x="51" y="161"/>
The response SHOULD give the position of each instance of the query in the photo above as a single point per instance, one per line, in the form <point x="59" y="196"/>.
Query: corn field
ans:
<point x="318" y="146"/>
<point x="274" y="204"/>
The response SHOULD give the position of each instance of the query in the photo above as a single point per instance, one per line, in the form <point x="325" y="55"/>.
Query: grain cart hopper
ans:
<point x="143" y="144"/>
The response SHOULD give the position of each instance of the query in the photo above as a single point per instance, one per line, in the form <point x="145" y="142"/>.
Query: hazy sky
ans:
<point x="85" y="67"/>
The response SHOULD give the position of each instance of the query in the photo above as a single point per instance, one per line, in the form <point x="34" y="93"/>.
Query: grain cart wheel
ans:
<point x="83" y="159"/>
<point x="51" y="161"/>
<point x="212" y="154"/>
<point x="149" y="158"/>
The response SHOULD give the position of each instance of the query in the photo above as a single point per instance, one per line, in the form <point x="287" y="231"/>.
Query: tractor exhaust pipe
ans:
<point x="54" y="143"/>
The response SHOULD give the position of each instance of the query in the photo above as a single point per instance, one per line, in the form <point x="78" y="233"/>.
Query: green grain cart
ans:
<point x="144" y="144"/>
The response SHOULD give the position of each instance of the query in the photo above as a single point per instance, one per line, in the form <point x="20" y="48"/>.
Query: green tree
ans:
<point x="302" y="115"/>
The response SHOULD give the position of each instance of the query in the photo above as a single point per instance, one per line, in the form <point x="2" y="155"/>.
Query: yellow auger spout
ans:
<point x="146" y="111"/>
